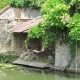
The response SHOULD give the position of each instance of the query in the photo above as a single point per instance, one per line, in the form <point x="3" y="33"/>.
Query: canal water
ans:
<point x="23" y="73"/>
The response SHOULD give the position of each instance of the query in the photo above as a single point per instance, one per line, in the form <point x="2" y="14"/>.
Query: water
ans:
<point x="24" y="73"/>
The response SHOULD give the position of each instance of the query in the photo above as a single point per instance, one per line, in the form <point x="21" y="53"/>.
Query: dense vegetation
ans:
<point x="61" y="21"/>
<point x="22" y="3"/>
<point x="27" y="3"/>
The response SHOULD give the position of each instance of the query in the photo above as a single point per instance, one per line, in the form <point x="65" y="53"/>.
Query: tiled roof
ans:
<point x="25" y="26"/>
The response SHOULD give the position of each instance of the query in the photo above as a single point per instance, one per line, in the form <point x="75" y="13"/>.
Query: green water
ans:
<point x="24" y="73"/>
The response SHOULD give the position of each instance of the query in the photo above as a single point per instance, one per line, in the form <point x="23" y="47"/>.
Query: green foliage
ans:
<point x="35" y="32"/>
<point x="74" y="25"/>
<point x="3" y="3"/>
<point x="58" y="21"/>
<point x="2" y="65"/>
<point x="17" y="3"/>
<point x="27" y="3"/>
<point x="22" y="3"/>
<point x="36" y="3"/>
<point x="7" y="58"/>
<point x="55" y="17"/>
<point x="61" y="21"/>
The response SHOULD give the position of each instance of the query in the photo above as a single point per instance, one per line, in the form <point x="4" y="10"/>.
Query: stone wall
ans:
<point x="75" y="65"/>
<point x="62" y="55"/>
<point x="30" y="13"/>
<point x="7" y="21"/>
<point x="9" y="13"/>
<point x="5" y="36"/>
<point x="18" y="45"/>
<point x="18" y="42"/>
<point x="45" y="56"/>
<point x="12" y="13"/>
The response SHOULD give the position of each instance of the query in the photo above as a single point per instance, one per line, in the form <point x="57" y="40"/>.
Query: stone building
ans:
<point x="14" y="25"/>
<point x="9" y="18"/>
<point x="20" y="34"/>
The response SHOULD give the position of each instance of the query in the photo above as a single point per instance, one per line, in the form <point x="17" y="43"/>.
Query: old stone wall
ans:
<point x="18" y="40"/>
<point x="5" y="36"/>
<point x="7" y="21"/>
<point x="30" y="13"/>
<point x="75" y="64"/>
<point x="62" y="55"/>
<point x="45" y="56"/>
<point x="12" y="13"/>
<point x="9" y="13"/>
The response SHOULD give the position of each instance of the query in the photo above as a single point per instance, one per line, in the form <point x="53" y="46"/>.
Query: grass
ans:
<point x="7" y="58"/>
<point x="3" y="3"/>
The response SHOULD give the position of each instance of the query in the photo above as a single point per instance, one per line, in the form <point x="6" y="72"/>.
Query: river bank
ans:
<point x="11" y="58"/>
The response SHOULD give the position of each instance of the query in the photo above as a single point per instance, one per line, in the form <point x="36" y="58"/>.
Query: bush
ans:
<point x="26" y="3"/>
<point x="16" y="3"/>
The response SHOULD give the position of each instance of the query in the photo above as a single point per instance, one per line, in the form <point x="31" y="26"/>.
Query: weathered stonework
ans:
<point x="8" y="14"/>
<point x="7" y="21"/>
<point x="30" y="13"/>
<point x="62" y="55"/>
<point x="12" y="13"/>
<point x="75" y="65"/>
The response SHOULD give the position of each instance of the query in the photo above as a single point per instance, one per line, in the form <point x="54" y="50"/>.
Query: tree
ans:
<point x="60" y="21"/>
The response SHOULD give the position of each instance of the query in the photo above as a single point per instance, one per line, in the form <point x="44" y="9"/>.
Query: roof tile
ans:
<point x="25" y="26"/>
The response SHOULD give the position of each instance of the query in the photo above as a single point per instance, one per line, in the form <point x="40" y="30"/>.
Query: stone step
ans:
<point x="32" y="64"/>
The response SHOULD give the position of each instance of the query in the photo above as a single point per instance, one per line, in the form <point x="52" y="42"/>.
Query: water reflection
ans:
<point x="23" y="73"/>
<point x="66" y="76"/>
<point x="2" y="74"/>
